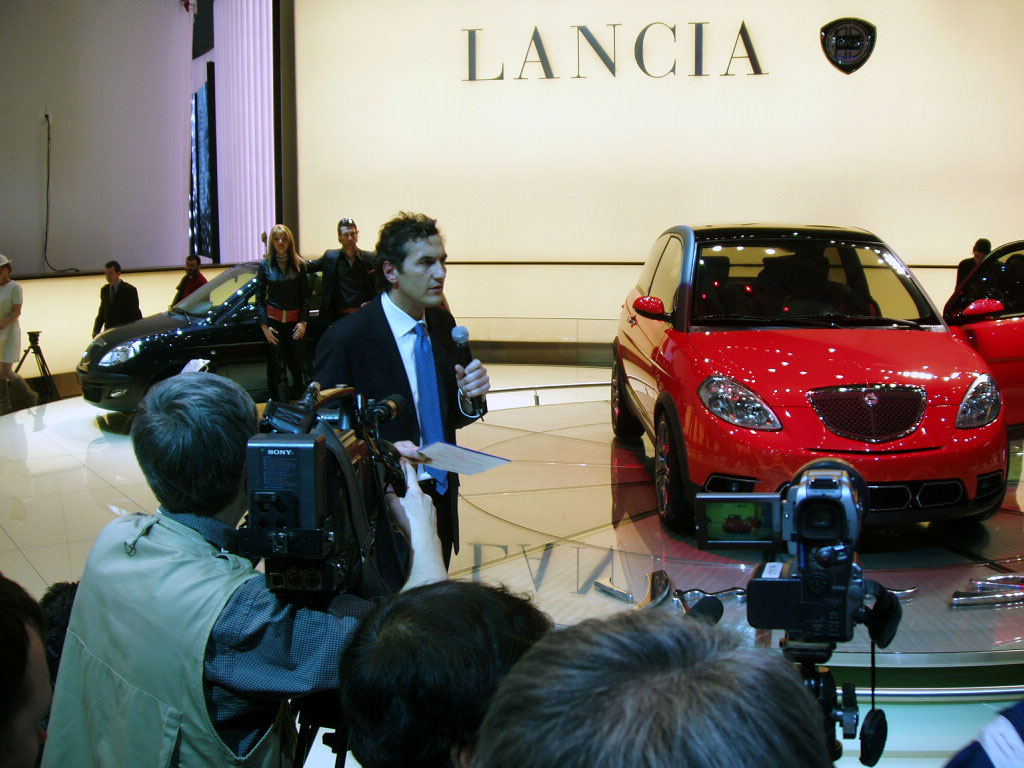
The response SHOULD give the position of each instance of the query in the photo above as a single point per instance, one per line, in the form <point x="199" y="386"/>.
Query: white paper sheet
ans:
<point x="465" y="461"/>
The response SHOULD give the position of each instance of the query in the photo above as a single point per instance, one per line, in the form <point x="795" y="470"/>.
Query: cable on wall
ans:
<point x="46" y="225"/>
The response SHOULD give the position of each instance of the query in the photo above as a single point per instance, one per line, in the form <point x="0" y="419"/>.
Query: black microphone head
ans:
<point x="709" y="609"/>
<point x="460" y="334"/>
<point x="399" y="402"/>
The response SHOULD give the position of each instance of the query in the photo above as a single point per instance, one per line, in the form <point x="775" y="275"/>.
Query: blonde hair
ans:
<point x="297" y="262"/>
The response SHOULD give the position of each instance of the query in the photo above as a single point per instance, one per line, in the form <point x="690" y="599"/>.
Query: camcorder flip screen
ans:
<point x="739" y="521"/>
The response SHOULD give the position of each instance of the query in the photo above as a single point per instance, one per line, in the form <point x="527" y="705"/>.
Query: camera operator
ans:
<point x="652" y="689"/>
<point x="419" y="673"/>
<point x="24" y="686"/>
<point x="177" y="653"/>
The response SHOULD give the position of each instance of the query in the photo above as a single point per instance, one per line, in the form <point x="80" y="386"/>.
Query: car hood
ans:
<point x="782" y="365"/>
<point x="147" y="326"/>
<point x="154" y="325"/>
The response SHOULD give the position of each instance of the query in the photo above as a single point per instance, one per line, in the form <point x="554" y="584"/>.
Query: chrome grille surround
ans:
<point x="872" y="413"/>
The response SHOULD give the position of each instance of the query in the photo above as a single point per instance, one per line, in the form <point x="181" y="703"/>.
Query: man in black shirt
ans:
<point x="348" y="278"/>
<point x="981" y="249"/>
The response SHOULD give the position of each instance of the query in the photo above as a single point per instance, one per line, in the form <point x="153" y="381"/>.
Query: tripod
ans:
<point x="50" y="392"/>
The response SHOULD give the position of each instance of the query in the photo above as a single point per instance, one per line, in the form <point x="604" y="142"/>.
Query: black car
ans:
<point x="217" y="323"/>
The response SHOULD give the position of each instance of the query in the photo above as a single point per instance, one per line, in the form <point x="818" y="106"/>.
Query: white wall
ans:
<point x="115" y="77"/>
<point x="920" y="146"/>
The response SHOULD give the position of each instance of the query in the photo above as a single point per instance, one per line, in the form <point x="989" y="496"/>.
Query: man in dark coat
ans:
<point x="119" y="301"/>
<point x="401" y="343"/>
<point x="348" y="278"/>
<point x="981" y="249"/>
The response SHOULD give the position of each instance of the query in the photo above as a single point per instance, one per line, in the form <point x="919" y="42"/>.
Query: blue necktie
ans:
<point x="431" y="430"/>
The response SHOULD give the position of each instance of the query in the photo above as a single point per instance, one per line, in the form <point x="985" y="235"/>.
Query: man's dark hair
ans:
<point x="114" y="264"/>
<point x="652" y="689"/>
<point x="346" y="222"/>
<point x="18" y="612"/>
<point x="190" y="436"/>
<point x="984" y="245"/>
<point x="393" y="237"/>
<point x="423" y="665"/>
<point x="192" y="257"/>
<point x="56" y="604"/>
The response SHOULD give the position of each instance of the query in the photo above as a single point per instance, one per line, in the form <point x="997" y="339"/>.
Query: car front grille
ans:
<point x="872" y="413"/>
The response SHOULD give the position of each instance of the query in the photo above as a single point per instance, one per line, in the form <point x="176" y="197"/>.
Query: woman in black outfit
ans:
<point x="282" y="302"/>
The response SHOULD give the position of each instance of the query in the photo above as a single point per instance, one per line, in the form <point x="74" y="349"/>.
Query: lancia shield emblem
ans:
<point x="870" y="399"/>
<point x="848" y="43"/>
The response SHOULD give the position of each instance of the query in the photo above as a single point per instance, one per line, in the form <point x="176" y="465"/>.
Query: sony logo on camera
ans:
<point x="279" y="452"/>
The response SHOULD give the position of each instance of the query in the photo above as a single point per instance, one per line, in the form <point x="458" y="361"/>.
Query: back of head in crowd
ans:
<point x="423" y="666"/>
<point x="651" y="689"/>
<point x="24" y="681"/>
<point x="393" y="237"/>
<point x="189" y="436"/>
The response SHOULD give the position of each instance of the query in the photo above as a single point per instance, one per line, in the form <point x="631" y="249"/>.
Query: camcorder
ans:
<point x="818" y="594"/>
<point x="318" y="515"/>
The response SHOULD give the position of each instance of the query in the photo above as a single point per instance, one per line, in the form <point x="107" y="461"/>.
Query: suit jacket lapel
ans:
<point x="383" y="353"/>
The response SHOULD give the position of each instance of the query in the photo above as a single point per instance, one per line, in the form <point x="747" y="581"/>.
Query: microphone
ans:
<point x="709" y="609"/>
<point x="460" y="335"/>
<point x="379" y="411"/>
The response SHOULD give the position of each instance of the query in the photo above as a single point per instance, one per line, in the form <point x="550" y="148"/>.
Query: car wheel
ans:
<point x="675" y="513"/>
<point x="624" y="424"/>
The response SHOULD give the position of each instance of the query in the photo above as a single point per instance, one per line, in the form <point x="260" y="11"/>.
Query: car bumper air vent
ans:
<point x="885" y="498"/>
<point x="990" y="485"/>
<point x="940" y="493"/>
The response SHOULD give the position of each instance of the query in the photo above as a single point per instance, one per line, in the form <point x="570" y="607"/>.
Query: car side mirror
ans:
<point x="652" y="307"/>
<point x="983" y="307"/>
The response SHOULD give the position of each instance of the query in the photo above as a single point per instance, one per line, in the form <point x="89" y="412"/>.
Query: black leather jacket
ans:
<point x="280" y="290"/>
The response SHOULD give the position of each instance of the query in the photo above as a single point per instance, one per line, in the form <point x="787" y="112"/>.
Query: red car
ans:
<point x="746" y="351"/>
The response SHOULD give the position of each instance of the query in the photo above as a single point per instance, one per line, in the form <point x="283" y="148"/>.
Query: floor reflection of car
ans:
<point x="216" y="323"/>
<point x="987" y="312"/>
<point x="747" y="351"/>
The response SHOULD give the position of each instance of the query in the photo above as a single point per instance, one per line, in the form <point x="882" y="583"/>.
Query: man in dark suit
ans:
<point x="401" y="343"/>
<point x="348" y="278"/>
<point x="981" y="249"/>
<point x="119" y="301"/>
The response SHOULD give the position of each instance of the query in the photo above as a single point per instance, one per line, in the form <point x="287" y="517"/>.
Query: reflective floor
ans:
<point x="573" y="507"/>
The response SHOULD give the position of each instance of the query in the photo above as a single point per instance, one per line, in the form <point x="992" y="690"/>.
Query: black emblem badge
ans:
<point x="848" y="43"/>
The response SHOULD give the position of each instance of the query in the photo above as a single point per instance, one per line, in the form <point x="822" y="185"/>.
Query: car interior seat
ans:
<point x="709" y="282"/>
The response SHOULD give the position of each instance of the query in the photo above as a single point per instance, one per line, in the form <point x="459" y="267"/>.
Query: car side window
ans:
<point x="667" y="276"/>
<point x="999" y="278"/>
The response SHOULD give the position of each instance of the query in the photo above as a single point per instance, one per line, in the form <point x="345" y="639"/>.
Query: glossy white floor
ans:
<point x="572" y="506"/>
<point x="67" y="468"/>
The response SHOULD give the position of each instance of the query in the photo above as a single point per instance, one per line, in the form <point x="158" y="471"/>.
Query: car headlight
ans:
<point x="732" y="402"/>
<point x="122" y="353"/>
<point x="981" y="404"/>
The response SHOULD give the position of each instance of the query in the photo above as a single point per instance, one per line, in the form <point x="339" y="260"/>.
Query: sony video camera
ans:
<point x="317" y="475"/>
<point x="819" y="594"/>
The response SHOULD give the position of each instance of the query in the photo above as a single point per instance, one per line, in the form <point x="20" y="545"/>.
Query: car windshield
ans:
<point x="219" y="292"/>
<point x="806" y="282"/>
